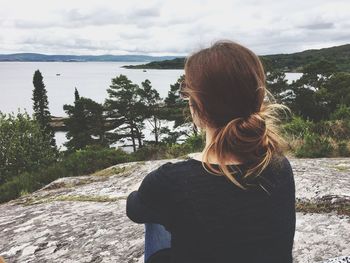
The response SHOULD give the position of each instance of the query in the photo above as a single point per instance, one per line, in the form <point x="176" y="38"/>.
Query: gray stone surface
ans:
<point x="82" y="219"/>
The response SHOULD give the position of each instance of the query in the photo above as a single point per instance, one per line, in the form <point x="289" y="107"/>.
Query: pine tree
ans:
<point x="153" y="110"/>
<point x="41" y="107"/>
<point x="177" y="110"/>
<point x="124" y="111"/>
<point x="86" y="123"/>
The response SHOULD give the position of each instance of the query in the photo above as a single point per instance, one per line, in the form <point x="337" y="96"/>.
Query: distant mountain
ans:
<point x="72" y="58"/>
<point x="339" y="55"/>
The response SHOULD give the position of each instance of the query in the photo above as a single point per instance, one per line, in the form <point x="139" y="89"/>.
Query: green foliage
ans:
<point x="314" y="146"/>
<point x="93" y="158"/>
<point x="176" y="108"/>
<point x="176" y="63"/>
<point x="125" y="110"/>
<point x="322" y="66"/>
<point x="298" y="127"/>
<point x="150" y="151"/>
<point x="153" y="111"/>
<point x="309" y="100"/>
<point x="336" y="129"/>
<point x="41" y="106"/>
<point x="337" y="91"/>
<point x="195" y="142"/>
<point x="164" y="150"/>
<point x="296" y="61"/>
<point x="343" y="149"/>
<point x="85" y="124"/>
<point x="81" y="162"/>
<point x="277" y="85"/>
<point x="192" y="144"/>
<point x="24" y="146"/>
<point x="342" y="112"/>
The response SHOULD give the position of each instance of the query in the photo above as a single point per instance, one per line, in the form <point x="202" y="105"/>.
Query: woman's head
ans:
<point x="226" y="87"/>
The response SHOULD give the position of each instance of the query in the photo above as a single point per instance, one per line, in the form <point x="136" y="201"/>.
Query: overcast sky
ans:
<point x="161" y="27"/>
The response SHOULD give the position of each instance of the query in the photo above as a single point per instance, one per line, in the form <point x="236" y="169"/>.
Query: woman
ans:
<point x="234" y="201"/>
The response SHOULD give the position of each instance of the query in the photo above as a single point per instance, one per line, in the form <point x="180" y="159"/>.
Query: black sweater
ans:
<point x="212" y="220"/>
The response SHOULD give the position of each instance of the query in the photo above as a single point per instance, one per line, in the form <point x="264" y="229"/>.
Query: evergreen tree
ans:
<point x="278" y="86"/>
<point x="41" y="108"/>
<point x="124" y="111"/>
<point x="86" y="123"/>
<point x="76" y="95"/>
<point x="176" y="109"/>
<point x="310" y="99"/>
<point x="153" y="110"/>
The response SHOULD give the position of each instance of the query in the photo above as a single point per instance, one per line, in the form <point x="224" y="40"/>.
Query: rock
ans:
<point x="82" y="219"/>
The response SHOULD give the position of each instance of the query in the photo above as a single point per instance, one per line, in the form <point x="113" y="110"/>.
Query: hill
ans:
<point x="339" y="55"/>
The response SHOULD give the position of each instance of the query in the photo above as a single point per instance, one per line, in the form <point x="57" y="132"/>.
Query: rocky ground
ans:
<point x="82" y="219"/>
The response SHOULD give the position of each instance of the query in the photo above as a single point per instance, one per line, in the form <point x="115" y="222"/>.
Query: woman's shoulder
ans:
<point x="171" y="170"/>
<point x="280" y="163"/>
<point x="279" y="174"/>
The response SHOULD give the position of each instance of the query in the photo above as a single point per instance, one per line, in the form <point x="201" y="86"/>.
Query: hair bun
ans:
<point x="253" y="125"/>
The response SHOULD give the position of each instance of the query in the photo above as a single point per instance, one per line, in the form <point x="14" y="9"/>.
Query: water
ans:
<point x="90" y="78"/>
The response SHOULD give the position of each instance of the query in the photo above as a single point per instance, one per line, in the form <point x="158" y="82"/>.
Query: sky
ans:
<point x="170" y="27"/>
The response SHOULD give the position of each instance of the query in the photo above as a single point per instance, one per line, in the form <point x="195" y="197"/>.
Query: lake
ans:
<point x="90" y="78"/>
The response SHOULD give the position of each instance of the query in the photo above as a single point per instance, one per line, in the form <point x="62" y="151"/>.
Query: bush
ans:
<point x="314" y="146"/>
<point x="343" y="149"/>
<point x="337" y="129"/>
<point x="297" y="127"/>
<point x="192" y="144"/>
<point x="163" y="150"/>
<point x="150" y="151"/>
<point x="195" y="142"/>
<point x="341" y="113"/>
<point x="24" y="146"/>
<point x="93" y="158"/>
<point x="82" y="162"/>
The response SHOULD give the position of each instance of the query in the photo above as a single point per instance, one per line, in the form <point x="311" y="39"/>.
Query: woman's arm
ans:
<point x="151" y="202"/>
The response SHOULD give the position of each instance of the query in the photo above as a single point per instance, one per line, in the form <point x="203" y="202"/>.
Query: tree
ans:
<point x="153" y="110"/>
<point x="23" y="146"/>
<point x="176" y="109"/>
<point x="86" y="123"/>
<point x="124" y="111"/>
<point x="310" y="97"/>
<point x="322" y="67"/>
<point x="277" y="85"/>
<point x="337" y="90"/>
<point x="41" y="108"/>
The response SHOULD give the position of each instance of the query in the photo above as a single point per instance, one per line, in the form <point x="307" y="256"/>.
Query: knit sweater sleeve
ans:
<point x="151" y="202"/>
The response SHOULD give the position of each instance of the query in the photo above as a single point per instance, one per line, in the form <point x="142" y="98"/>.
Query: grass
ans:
<point x="323" y="207"/>
<point x="341" y="168"/>
<point x="74" y="198"/>
<point x="116" y="170"/>
<point x="110" y="171"/>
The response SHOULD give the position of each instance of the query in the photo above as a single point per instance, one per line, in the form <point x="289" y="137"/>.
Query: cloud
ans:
<point x="318" y="26"/>
<point x="171" y="27"/>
